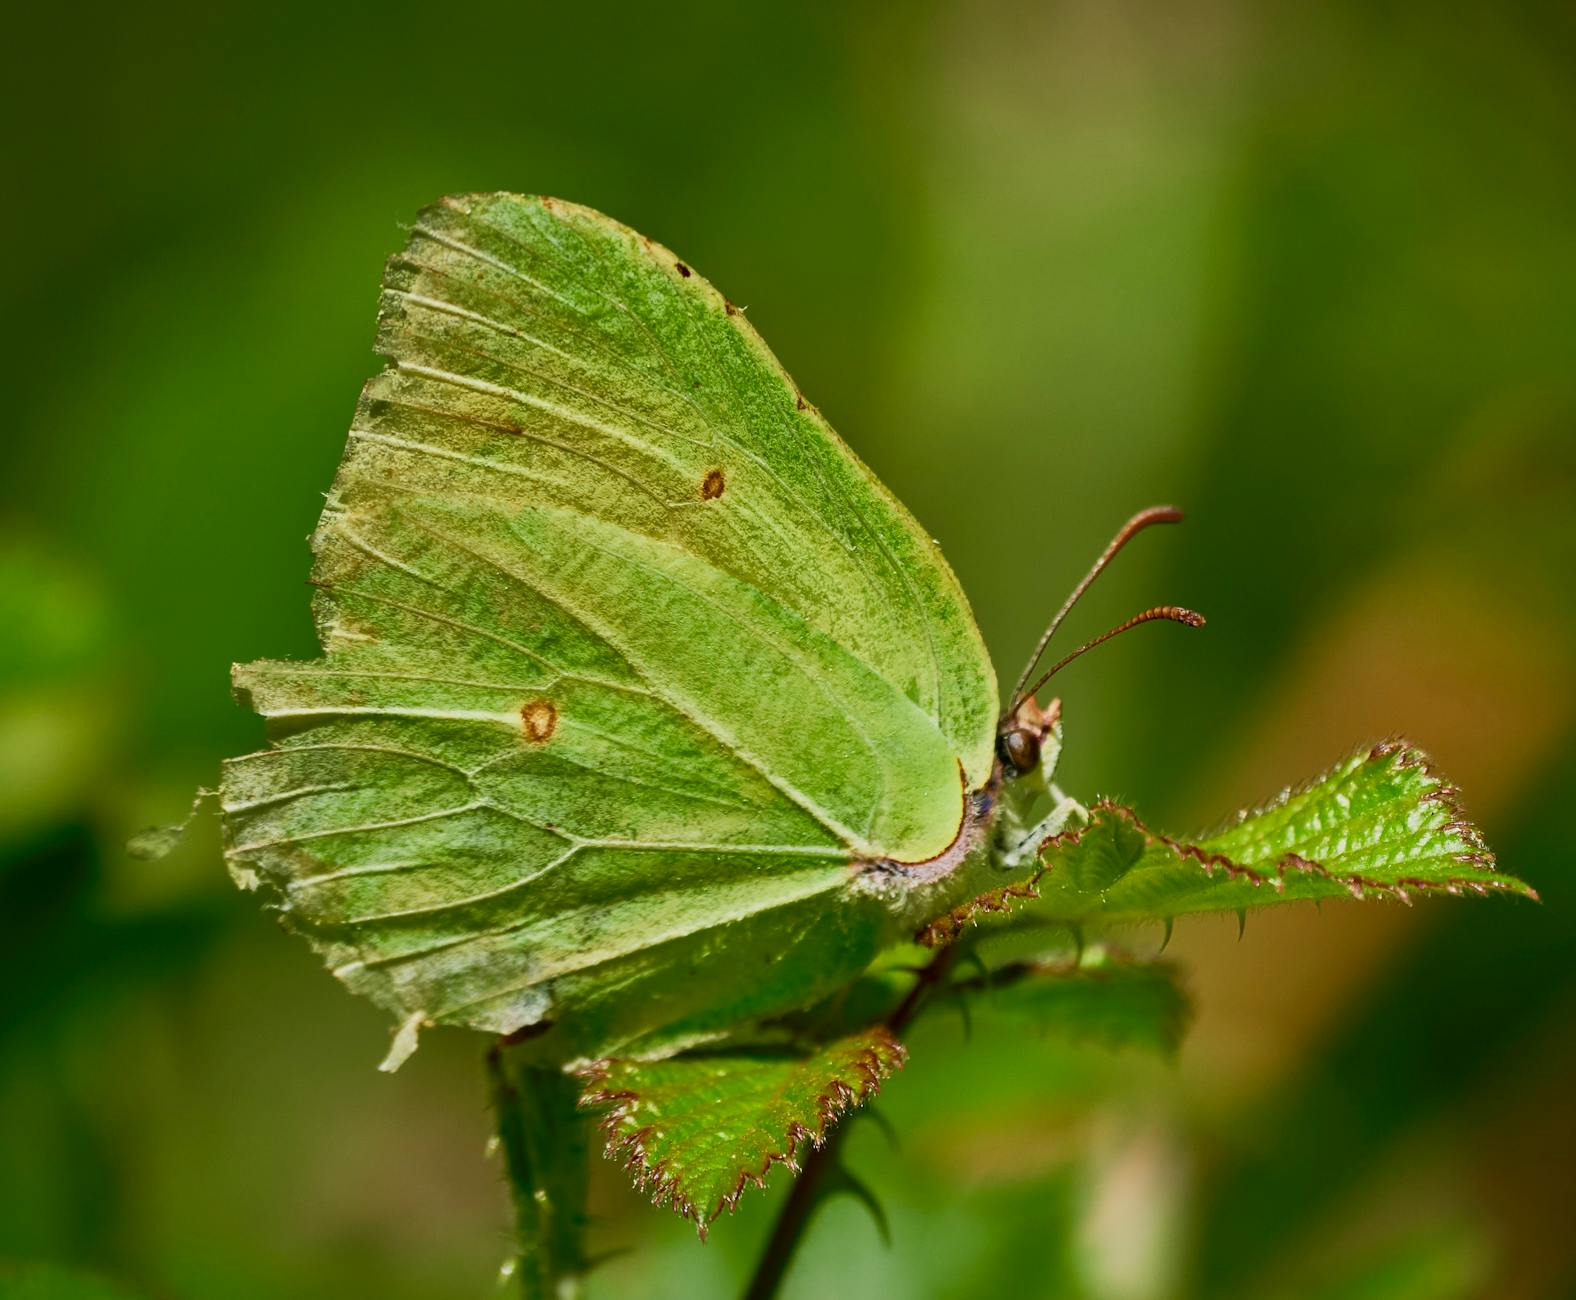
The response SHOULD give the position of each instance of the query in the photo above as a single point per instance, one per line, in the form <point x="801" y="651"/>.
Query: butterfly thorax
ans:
<point x="1002" y="822"/>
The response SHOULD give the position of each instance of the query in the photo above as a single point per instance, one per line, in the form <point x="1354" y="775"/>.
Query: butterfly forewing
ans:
<point x="628" y="661"/>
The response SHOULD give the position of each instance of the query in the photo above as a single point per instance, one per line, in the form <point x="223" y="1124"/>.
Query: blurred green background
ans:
<point x="1309" y="271"/>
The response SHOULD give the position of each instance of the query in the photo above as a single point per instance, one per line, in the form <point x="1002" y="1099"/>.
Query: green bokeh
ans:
<point x="1308" y="271"/>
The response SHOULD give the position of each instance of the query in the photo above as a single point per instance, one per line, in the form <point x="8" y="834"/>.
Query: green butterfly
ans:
<point x="645" y="712"/>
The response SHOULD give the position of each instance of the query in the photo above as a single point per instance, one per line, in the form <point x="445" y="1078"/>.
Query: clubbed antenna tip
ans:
<point x="1160" y="613"/>
<point x="1142" y="520"/>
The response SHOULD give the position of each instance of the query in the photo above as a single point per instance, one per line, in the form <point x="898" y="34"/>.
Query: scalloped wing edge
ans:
<point x="873" y="1065"/>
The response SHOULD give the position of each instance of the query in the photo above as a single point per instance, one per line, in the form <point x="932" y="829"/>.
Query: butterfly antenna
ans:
<point x="1166" y="613"/>
<point x="1128" y="531"/>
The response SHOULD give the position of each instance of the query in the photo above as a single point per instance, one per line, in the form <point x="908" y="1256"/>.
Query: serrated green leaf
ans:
<point x="696" y="1130"/>
<point x="1114" y="1004"/>
<point x="545" y="1144"/>
<point x="1380" y="824"/>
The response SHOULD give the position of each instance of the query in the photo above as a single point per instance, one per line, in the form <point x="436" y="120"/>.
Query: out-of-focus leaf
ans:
<point x="1441" y="1264"/>
<point x="50" y="1282"/>
<point x="695" y="1131"/>
<point x="1380" y="824"/>
<point x="58" y="716"/>
<point x="545" y="1144"/>
<point x="1115" y="1004"/>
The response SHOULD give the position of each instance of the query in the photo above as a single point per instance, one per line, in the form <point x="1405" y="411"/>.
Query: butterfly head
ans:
<point x="1027" y="736"/>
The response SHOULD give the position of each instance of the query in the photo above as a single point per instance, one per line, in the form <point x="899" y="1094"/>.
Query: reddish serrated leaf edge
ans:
<point x="1359" y="886"/>
<point x="882" y="1056"/>
<point x="947" y="927"/>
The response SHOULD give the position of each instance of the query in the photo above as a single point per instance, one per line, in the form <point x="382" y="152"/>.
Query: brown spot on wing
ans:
<point x="711" y="487"/>
<point x="539" y="718"/>
<point x="684" y="270"/>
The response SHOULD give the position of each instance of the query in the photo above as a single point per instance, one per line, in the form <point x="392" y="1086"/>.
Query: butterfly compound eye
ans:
<point x="1020" y="749"/>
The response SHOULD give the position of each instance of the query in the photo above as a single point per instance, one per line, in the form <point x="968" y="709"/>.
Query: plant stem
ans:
<point x="544" y="1140"/>
<point x="805" y="1194"/>
<point x="791" y="1220"/>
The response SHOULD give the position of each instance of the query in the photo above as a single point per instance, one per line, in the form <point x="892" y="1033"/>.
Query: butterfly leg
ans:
<point x="1067" y="813"/>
